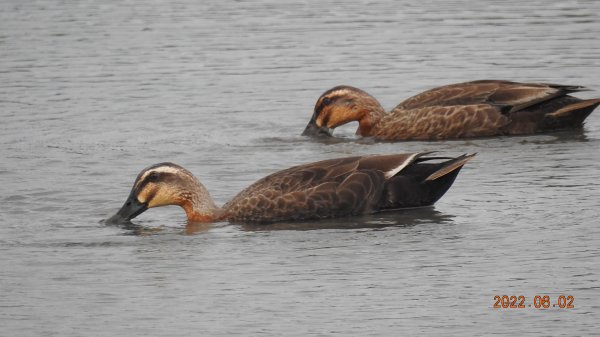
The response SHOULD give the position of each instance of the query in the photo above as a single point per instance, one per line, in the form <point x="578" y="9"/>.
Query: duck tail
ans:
<point x="450" y="166"/>
<point x="572" y="115"/>
<point x="422" y="184"/>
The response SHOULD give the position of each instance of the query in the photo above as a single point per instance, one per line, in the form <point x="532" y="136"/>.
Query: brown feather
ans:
<point x="441" y="122"/>
<point x="462" y="110"/>
<point x="517" y="95"/>
<point x="330" y="188"/>
<point x="389" y="164"/>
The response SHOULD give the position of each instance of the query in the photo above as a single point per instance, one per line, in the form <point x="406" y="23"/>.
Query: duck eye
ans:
<point x="153" y="177"/>
<point x="326" y="101"/>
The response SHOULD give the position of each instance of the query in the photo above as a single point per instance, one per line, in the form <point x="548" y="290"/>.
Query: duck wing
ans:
<point x="516" y="95"/>
<point x="330" y="188"/>
<point x="442" y="122"/>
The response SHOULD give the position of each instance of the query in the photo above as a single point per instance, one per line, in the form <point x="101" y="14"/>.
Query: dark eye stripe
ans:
<point x="153" y="177"/>
<point x="326" y="120"/>
<point x="324" y="102"/>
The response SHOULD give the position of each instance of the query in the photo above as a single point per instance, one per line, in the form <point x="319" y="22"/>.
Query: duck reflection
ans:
<point x="401" y="218"/>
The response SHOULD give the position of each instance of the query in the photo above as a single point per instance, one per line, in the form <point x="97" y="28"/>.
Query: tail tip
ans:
<point x="452" y="165"/>
<point x="584" y="106"/>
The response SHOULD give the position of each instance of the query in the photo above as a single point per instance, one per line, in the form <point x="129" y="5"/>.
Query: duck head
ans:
<point x="340" y="105"/>
<point x="167" y="184"/>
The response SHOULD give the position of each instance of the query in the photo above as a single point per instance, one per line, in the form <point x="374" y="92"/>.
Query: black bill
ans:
<point x="312" y="130"/>
<point x="131" y="208"/>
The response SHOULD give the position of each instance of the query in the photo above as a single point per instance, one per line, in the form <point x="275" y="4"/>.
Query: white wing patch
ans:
<point x="407" y="162"/>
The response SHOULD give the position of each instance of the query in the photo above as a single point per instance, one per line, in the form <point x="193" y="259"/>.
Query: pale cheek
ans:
<point x="319" y="120"/>
<point x="164" y="197"/>
<point x="160" y="199"/>
<point x="333" y="121"/>
<point x="143" y="196"/>
<point x="155" y="203"/>
<point x="338" y="117"/>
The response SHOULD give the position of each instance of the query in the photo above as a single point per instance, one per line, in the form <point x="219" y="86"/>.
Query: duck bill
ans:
<point x="313" y="130"/>
<point x="130" y="209"/>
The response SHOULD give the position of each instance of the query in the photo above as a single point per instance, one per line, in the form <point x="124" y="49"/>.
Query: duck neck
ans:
<point x="371" y="115"/>
<point x="199" y="206"/>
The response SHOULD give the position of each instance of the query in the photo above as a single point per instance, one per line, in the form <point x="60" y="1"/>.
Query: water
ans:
<point x="92" y="92"/>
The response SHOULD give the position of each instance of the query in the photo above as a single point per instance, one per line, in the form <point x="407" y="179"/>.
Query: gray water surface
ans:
<point x="91" y="92"/>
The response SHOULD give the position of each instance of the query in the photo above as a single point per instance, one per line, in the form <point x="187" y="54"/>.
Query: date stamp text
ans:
<point x="536" y="302"/>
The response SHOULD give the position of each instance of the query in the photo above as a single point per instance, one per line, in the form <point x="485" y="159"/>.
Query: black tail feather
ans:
<point x="571" y="115"/>
<point x="415" y="187"/>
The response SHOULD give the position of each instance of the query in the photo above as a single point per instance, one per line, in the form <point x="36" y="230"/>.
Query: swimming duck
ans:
<point x="324" y="189"/>
<point x="463" y="110"/>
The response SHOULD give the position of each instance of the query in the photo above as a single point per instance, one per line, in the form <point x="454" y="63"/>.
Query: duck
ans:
<point x="325" y="189"/>
<point x="481" y="108"/>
